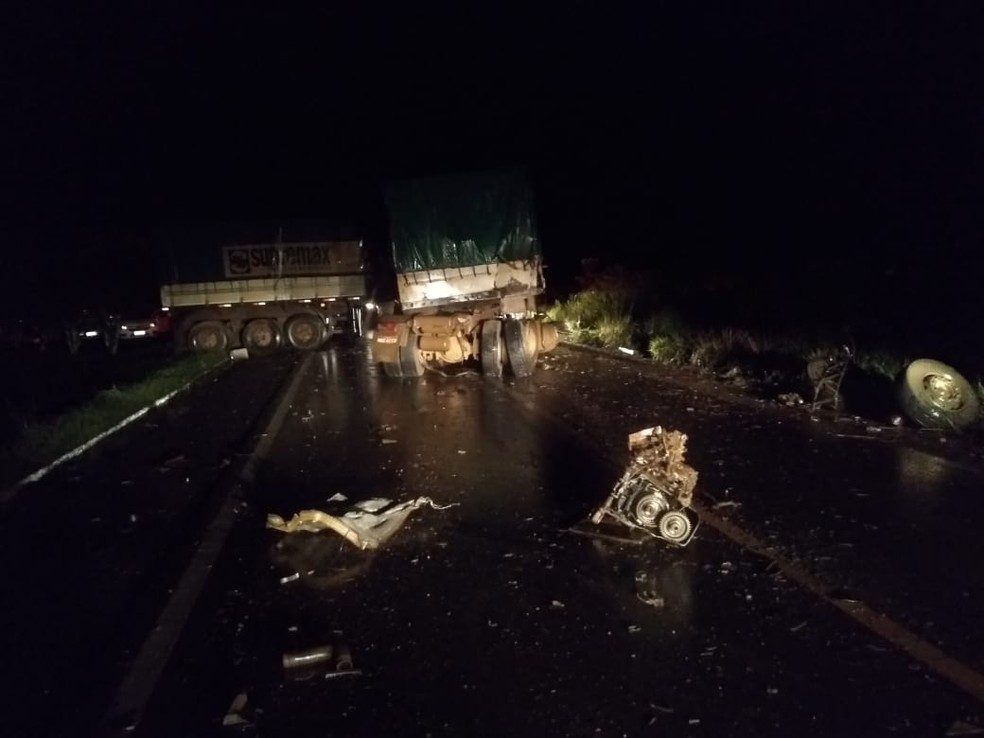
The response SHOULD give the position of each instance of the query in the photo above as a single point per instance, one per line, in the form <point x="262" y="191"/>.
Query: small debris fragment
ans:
<point x="290" y="578"/>
<point x="306" y="658"/>
<point x="791" y="399"/>
<point x="800" y="626"/>
<point x="234" y="715"/>
<point x="630" y="352"/>
<point x="557" y="604"/>
<point x="652" y="599"/>
<point x="337" y="497"/>
<point x="634" y="628"/>
<point x="462" y="451"/>
<point x="388" y="440"/>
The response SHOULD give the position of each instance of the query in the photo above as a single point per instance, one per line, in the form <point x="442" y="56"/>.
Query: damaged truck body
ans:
<point x="468" y="268"/>
<point x="260" y="286"/>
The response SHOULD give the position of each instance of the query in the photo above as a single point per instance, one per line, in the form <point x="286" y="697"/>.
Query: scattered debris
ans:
<point x="649" y="597"/>
<point x="557" y="604"/>
<point x="367" y="525"/>
<point x="337" y="497"/>
<point x="630" y="352"/>
<point x="791" y="399"/>
<point x="389" y="440"/>
<point x="238" y="354"/>
<point x="964" y="728"/>
<point x="800" y="626"/>
<point x="290" y="578"/>
<point x="827" y="375"/>
<point x="655" y="492"/>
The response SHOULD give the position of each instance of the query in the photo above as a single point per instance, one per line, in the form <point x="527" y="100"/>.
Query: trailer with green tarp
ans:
<point x="468" y="268"/>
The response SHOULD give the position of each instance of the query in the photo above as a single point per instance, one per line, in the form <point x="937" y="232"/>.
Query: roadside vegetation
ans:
<point x="38" y="443"/>
<point x="614" y="310"/>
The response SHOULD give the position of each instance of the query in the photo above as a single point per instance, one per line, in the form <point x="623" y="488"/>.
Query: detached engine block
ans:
<point x="655" y="492"/>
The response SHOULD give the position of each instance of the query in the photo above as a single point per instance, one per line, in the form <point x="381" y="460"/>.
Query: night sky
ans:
<point x="802" y="152"/>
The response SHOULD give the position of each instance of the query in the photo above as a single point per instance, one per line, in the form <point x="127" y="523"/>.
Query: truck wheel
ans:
<point x="305" y="331"/>
<point x="521" y="343"/>
<point x="491" y="348"/>
<point x="209" y="335"/>
<point x="936" y="395"/>
<point x="261" y="336"/>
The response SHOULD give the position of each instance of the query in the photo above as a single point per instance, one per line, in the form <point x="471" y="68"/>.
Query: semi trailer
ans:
<point x="468" y="267"/>
<point x="261" y="285"/>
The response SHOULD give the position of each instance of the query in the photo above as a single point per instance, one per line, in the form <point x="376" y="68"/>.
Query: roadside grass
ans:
<point x="40" y="443"/>
<point x="772" y="363"/>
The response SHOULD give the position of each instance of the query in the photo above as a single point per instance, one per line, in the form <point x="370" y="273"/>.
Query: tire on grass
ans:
<point x="935" y="395"/>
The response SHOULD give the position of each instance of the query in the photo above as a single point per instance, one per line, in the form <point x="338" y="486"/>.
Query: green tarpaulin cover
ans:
<point x="460" y="220"/>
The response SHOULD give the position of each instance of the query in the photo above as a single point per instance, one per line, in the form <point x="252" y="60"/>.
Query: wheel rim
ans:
<point x="943" y="392"/>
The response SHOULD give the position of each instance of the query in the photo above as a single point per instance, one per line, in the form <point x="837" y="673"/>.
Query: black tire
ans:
<point x="305" y="331"/>
<point x="393" y="369"/>
<point x="936" y="395"/>
<point x="261" y="336"/>
<point x="521" y="346"/>
<point x="209" y="335"/>
<point x="492" y="349"/>
<point x="411" y="362"/>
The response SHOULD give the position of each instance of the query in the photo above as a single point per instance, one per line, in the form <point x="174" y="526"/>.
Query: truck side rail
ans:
<point x="270" y="289"/>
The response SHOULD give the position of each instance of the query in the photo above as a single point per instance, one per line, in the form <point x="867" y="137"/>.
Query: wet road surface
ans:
<point x="830" y="590"/>
<point x="491" y="618"/>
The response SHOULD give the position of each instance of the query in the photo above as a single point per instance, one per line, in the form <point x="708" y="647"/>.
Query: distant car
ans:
<point x="138" y="328"/>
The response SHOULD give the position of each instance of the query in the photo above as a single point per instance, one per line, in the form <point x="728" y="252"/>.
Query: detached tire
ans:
<point x="522" y="343"/>
<point x="305" y="331"/>
<point x="261" y="337"/>
<point x="209" y="335"/>
<point x="936" y="395"/>
<point x="492" y="348"/>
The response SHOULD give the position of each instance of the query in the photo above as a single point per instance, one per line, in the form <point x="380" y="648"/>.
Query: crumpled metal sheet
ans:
<point x="367" y="525"/>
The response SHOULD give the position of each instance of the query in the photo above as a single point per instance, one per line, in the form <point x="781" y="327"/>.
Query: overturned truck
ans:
<point x="468" y="268"/>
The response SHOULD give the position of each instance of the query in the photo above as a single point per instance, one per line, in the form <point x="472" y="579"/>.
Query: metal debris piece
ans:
<point x="367" y="525"/>
<point x="344" y="660"/>
<point x="234" y="715"/>
<point x="290" y="578"/>
<point x="308" y="657"/>
<point x="655" y="492"/>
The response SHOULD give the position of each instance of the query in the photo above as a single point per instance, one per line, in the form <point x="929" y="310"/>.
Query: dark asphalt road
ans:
<point x="490" y="618"/>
